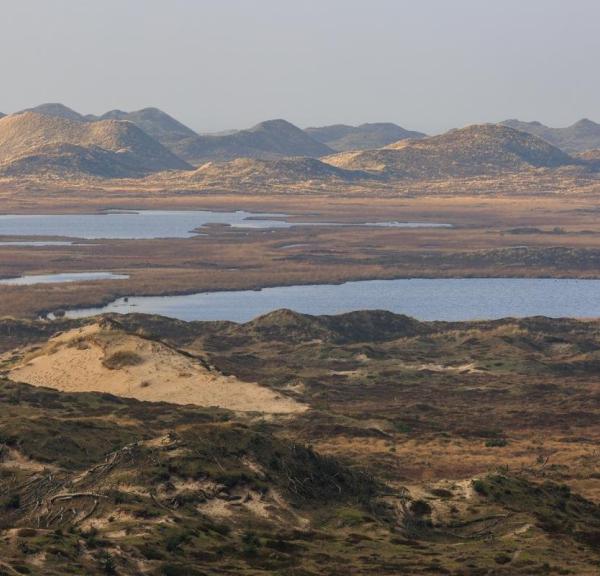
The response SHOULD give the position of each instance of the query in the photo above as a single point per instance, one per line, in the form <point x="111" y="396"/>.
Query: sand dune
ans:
<point x="98" y="359"/>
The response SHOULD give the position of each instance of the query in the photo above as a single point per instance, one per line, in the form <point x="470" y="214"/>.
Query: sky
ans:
<point x="427" y="65"/>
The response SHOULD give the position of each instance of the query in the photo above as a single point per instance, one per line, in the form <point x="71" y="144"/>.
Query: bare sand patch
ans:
<point x="99" y="359"/>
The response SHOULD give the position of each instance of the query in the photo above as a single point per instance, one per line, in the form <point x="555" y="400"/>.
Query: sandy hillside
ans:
<point x="97" y="359"/>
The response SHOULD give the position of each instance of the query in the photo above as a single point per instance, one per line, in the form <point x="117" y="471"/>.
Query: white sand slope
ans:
<point x="75" y="362"/>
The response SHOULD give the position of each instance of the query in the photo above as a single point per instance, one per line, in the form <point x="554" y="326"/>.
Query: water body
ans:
<point x="425" y="299"/>
<point x="33" y="244"/>
<point x="150" y="224"/>
<point x="60" y="278"/>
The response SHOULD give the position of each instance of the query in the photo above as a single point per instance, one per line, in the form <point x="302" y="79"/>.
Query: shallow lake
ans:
<point x="60" y="278"/>
<point x="149" y="224"/>
<point x="426" y="299"/>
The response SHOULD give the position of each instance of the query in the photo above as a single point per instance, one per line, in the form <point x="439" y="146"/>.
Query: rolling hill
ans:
<point x="342" y="137"/>
<point x="155" y="123"/>
<point x="476" y="150"/>
<point x="32" y="143"/>
<point x="581" y="136"/>
<point x="56" y="109"/>
<point x="152" y="121"/>
<point x="267" y="140"/>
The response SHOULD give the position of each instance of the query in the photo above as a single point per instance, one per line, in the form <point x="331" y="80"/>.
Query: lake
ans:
<point x="151" y="224"/>
<point x="425" y="299"/>
<point x="61" y="278"/>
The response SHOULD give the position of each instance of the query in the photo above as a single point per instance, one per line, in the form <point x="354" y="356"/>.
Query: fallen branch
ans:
<point x="61" y="497"/>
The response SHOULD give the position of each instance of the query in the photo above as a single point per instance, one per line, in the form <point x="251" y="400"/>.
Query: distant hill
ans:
<point x="58" y="110"/>
<point x="341" y="137"/>
<point x="155" y="123"/>
<point x="485" y="149"/>
<point x="581" y="136"/>
<point x="256" y="171"/>
<point x="2" y="115"/>
<point x="267" y="140"/>
<point x="32" y="143"/>
<point x="54" y="139"/>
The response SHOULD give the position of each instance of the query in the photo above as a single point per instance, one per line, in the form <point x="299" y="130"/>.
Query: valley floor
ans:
<point x="505" y="236"/>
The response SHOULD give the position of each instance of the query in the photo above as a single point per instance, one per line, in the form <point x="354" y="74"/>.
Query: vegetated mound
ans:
<point x="556" y="509"/>
<point x="105" y="148"/>
<point x="581" y="136"/>
<point x="360" y="326"/>
<point x="96" y="358"/>
<point x="156" y="123"/>
<point x="270" y="139"/>
<point x="279" y="171"/>
<point x="477" y="150"/>
<point x="342" y="137"/>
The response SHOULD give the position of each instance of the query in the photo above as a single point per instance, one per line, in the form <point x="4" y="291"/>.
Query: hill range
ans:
<point x="55" y="141"/>
<point x="33" y="143"/>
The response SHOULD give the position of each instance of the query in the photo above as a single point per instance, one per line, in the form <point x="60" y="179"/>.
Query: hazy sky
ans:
<point x="216" y="64"/>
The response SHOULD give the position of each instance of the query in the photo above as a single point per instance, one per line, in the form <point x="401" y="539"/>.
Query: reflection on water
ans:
<point x="60" y="278"/>
<point x="426" y="299"/>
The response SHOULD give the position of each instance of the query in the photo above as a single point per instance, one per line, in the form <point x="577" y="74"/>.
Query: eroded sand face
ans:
<point x="74" y="362"/>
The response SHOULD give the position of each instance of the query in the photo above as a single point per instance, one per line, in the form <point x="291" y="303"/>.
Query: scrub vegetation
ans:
<point x="430" y="448"/>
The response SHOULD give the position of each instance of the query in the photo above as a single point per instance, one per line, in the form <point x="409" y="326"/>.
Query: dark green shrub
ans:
<point x="122" y="359"/>
<point x="420" y="508"/>
<point x="496" y="442"/>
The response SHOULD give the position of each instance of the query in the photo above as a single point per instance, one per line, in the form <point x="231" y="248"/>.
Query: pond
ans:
<point x="60" y="278"/>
